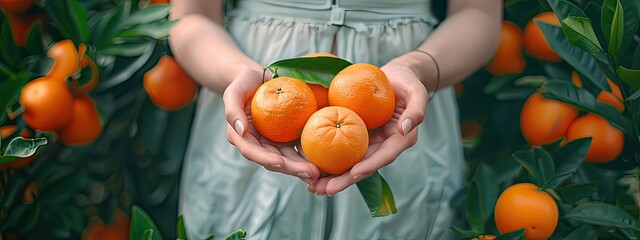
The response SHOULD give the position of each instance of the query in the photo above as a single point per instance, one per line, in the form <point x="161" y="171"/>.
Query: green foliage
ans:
<point x="316" y="70"/>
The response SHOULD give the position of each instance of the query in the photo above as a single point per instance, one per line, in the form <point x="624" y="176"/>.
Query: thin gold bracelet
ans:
<point x="437" y="71"/>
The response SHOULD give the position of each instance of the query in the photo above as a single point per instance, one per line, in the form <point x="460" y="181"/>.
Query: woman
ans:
<point x="222" y="191"/>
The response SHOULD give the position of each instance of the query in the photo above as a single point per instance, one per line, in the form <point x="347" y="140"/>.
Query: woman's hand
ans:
<point x="387" y="142"/>
<point x="277" y="157"/>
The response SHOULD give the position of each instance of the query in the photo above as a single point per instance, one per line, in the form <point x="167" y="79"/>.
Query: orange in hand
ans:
<point x="334" y="139"/>
<point x="544" y="121"/>
<point x="85" y="125"/>
<point x="366" y="90"/>
<point x="508" y="57"/>
<point x="606" y="141"/>
<point x="46" y="103"/>
<point x="534" y="41"/>
<point x="321" y="95"/>
<point x="169" y="86"/>
<point x="524" y="206"/>
<point x="280" y="108"/>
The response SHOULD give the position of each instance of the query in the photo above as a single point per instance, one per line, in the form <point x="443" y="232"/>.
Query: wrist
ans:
<point x="424" y="66"/>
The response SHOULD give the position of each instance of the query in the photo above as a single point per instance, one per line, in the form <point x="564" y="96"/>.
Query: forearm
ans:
<point x="464" y="42"/>
<point x="206" y="51"/>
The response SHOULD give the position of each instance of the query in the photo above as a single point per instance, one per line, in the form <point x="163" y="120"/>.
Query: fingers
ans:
<point x="237" y="95"/>
<point x="416" y="103"/>
<point x="388" y="151"/>
<point x="251" y="149"/>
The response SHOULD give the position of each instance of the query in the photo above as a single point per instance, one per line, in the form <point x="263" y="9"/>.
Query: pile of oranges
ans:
<point x="58" y="102"/>
<point x="508" y="58"/>
<point x="332" y="124"/>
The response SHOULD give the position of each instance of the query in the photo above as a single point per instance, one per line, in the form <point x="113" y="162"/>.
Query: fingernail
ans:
<point x="330" y="195"/>
<point x="356" y="177"/>
<point x="239" y="127"/>
<point x="276" y="166"/>
<point x="303" y="175"/>
<point x="406" y="126"/>
<point x="318" y="195"/>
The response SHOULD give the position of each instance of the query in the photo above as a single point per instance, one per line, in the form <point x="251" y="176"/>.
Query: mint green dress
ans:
<point x="221" y="191"/>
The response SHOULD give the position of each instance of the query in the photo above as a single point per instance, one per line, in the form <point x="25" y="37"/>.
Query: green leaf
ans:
<point x="544" y="163"/>
<point x="31" y="217"/>
<point x="315" y="70"/>
<point x="515" y="235"/>
<point x="9" y="54"/>
<point x="583" y="100"/>
<point x="20" y="148"/>
<point x="150" y="14"/>
<point x="498" y="83"/>
<point x="155" y="30"/>
<point x="603" y="214"/>
<point x="581" y="61"/>
<point x="142" y="225"/>
<point x="617" y="30"/>
<point x="593" y="10"/>
<point x="575" y="192"/>
<point x="635" y="95"/>
<point x="564" y="9"/>
<point x="606" y="16"/>
<point x="636" y="58"/>
<point x="475" y="207"/>
<point x="629" y="76"/>
<point x="181" y="230"/>
<point x="124" y="50"/>
<point x="580" y="32"/>
<point x="378" y="196"/>
<point x="237" y="235"/>
<point x="526" y="159"/>
<point x="569" y="158"/>
<point x="10" y="90"/>
<point x="532" y="81"/>
<point x="78" y="15"/>
<point x="631" y="20"/>
<point x="584" y="232"/>
<point x="466" y="234"/>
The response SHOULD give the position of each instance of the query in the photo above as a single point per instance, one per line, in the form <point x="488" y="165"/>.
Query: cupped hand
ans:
<point x="389" y="141"/>
<point x="277" y="157"/>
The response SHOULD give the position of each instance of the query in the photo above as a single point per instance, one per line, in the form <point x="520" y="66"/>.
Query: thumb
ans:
<point x="236" y="96"/>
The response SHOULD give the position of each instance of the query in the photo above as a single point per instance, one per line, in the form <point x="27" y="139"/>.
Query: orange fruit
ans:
<point x="613" y="98"/>
<point x="117" y="230"/>
<point x="606" y="141"/>
<point x="534" y="41"/>
<point x="575" y="79"/>
<point x="524" y="206"/>
<point x="366" y="90"/>
<point x="47" y="104"/>
<point x="85" y="124"/>
<point x="334" y="139"/>
<point x="20" y="26"/>
<point x="544" y="121"/>
<point x="15" y="6"/>
<point x="471" y="129"/>
<point x="169" y="86"/>
<point x="508" y="57"/>
<point x="280" y="108"/>
<point x="6" y="131"/>
<point x="485" y="237"/>
<point x="65" y="59"/>
<point x="321" y="95"/>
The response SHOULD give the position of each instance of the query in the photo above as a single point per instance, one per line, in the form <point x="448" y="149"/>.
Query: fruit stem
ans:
<point x="338" y="125"/>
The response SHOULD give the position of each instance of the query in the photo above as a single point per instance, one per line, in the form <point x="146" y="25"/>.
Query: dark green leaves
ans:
<point x="630" y="76"/>
<point x="580" y="32"/>
<point x="21" y="148"/>
<point x="156" y="30"/>
<point x="515" y="235"/>
<point x="181" y="229"/>
<point x="315" y="70"/>
<point x="538" y="163"/>
<point x="584" y="232"/>
<point x="580" y="60"/>
<point x="142" y="226"/>
<point x="237" y="235"/>
<point x="603" y="214"/>
<point x="378" y="196"/>
<point x="573" y="193"/>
